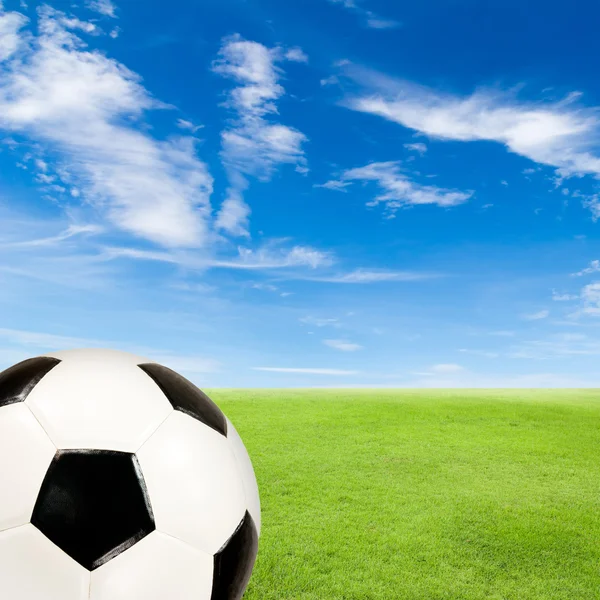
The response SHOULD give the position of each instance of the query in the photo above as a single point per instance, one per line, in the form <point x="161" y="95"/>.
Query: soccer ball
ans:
<point x="120" y="480"/>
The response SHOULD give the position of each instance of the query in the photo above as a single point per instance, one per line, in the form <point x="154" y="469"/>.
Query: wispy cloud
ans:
<point x="446" y="368"/>
<point x="307" y="371"/>
<point x="536" y="316"/>
<point x="265" y="286"/>
<point x="104" y="7"/>
<point x="563" y="297"/>
<point x="84" y="106"/>
<point x="320" y="322"/>
<point x="51" y="252"/>
<point x="333" y="184"/>
<point x="343" y="345"/>
<point x="188" y="125"/>
<point x="485" y="353"/>
<point x="593" y="268"/>
<point x="559" y="345"/>
<point x="417" y="147"/>
<point x="365" y="276"/>
<point x="268" y="256"/>
<point x="254" y="144"/>
<point x="72" y="231"/>
<point x="558" y="134"/>
<point x="35" y="342"/>
<point x="370" y="19"/>
<point x="397" y="190"/>
<point x="46" y="341"/>
<point x="116" y="252"/>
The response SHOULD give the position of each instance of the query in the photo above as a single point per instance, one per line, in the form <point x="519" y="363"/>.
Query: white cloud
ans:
<point x="559" y="345"/>
<point x="485" y="353"/>
<point x="104" y="7"/>
<point x="72" y="231"/>
<point x="195" y="288"/>
<point x="269" y="258"/>
<point x="370" y="18"/>
<point x="563" y="297"/>
<point x="263" y="258"/>
<point x="590" y="295"/>
<point x="593" y="204"/>
<point x="375" y="22"/>
<point x="188" y="125"/>
<point x="446" y="368"/>
<point x="397" y="190"/>
<point x="320" y="322"/>
<point x="555" y="134"/>
<point x="114" y="34"/>
<point x="254" y="144"/>
<point x="296" y="55"/>
<point x="114" y="252"/>
<point x="41" y="165"/>
<point x="306" y="371"/>
<point x="342" y="345"/>
<point x="338" y="186"/>
<point x="417" y="147"/>
<point x="75" y="23"/>
<point x="234" y="214"/>
<point x="345" y="3"/>
<point x="265" y="286"/>
<point x="10" y="24"/>
<point x="83" y="105"/>
<point x="331" y="80"/>
<point x="593" y="268"/>
<point x="536" y="316"/>
<point x="362" y="276"/>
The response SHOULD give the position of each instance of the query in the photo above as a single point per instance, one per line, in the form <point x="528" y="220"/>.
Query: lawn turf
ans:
<point x="424" y="494"/>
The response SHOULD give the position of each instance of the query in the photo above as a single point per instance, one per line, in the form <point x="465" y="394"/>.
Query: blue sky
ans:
<point x="336" y="193"/>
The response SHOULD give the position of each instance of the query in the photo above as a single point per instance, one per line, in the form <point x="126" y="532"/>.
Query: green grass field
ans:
<point x="436" y="494"/>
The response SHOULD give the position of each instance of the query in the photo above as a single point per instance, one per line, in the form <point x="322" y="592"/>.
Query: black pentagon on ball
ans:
<point x="233" y="563"/>
<point x="93" y="504"/>
<point x="185" y="397"/>
<point x="17" y="381"/>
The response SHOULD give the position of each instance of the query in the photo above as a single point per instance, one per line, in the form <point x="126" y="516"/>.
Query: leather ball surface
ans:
<point x="121" y="480"/>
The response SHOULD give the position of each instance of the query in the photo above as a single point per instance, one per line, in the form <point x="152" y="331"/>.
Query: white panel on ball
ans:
<point x="98" y="399"/>
<point x="159" y="567"/>
<point x="193" y="482"/>
<point x="25" y="454"/>
<point x="246" y="472"/>
<point x="33" y="568"/>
